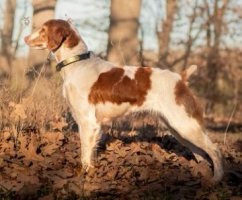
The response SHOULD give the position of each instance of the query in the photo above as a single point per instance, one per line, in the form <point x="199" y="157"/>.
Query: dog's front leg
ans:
<point x="85" y="116"/>
<point x="89" y="135"/>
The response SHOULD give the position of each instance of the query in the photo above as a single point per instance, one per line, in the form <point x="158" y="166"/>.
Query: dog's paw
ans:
<point x="84" y="168"/>
<point x="87" y="167"/>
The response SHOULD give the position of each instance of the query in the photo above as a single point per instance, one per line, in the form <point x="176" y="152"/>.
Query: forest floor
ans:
<point x="36" y="165"/>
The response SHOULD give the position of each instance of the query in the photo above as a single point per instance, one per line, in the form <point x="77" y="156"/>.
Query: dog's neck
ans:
<point x="63" y="53"/>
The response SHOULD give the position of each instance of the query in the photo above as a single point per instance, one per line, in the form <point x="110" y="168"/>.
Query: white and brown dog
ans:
<point x="98" y="91"/>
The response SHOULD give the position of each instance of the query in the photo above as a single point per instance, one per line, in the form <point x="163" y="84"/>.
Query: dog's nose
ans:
<point x="26" y="39"/>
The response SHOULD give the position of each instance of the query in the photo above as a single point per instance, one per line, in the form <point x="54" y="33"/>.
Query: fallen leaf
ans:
<point x="49" y="149"/>
<point x="28" y="147"/>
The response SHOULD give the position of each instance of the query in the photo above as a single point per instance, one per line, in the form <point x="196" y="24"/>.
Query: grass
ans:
<point x="31" y="110"/>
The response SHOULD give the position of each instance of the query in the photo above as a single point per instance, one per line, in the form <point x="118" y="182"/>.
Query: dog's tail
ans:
<point x="188" y="72"/>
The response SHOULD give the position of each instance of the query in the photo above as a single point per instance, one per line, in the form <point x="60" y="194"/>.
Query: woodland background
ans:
<point x="169" y="34"/>
<point x="166" y="34"/>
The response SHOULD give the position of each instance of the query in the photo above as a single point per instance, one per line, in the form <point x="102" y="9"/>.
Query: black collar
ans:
<point x="73" y="59"/>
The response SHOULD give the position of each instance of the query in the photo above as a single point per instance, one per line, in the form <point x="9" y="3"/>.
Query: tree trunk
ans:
<point x="123" y="43"/>
<point x="43" y="10"/>
<point x="7" y="32"/>
<point x="213" y="57"/>
<point x="164" y="35"/>
<point x="213" y="51"/>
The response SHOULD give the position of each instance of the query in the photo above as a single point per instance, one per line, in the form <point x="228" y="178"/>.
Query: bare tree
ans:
<point x="7" y="32"/>
<point x="123" y="43"/>
<point x="213" y="44"/>
<point x="191" y="37"/>
<point x="43" y="11"/>
<point x="164" y="34"/>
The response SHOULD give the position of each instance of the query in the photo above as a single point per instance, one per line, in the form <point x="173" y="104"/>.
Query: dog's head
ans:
<point x="52" y="35"/>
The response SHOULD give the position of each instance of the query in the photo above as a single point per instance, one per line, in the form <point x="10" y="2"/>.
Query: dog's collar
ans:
<point x="73" y="59"/>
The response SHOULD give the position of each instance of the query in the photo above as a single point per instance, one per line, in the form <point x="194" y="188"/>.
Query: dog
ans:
<point x="98" y="91"/>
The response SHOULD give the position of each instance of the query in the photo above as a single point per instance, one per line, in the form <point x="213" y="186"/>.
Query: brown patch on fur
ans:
<point x="58" y="32"/>
<point x="184" y="97"/>
<point x="112" y="86"/>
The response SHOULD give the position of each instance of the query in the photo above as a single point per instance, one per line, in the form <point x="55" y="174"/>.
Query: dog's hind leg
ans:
<point x="190" y="133"/>
<point x="185" y="117"/>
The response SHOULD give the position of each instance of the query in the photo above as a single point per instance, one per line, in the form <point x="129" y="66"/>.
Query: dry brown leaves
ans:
<point x="48" y="165"/>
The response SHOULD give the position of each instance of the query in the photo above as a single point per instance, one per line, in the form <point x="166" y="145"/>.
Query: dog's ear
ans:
<point x="62" y="33"/>
<point x="72" y="38"/>
<point x="56" y="36"/>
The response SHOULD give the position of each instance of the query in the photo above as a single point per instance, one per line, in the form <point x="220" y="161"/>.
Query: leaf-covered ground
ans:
<point x="36" y="165"/>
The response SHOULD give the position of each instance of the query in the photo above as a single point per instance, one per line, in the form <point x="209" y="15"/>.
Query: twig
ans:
<point x="41" y="70"/>
<point x="13" y="162"/>
<point x="4" y="188"/>
<point x="231" y="116"/>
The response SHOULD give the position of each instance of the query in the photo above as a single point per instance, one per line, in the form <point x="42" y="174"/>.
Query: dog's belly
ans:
<point x="106" y="112"/>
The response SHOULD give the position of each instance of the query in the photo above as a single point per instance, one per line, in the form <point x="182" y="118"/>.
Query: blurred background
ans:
<point x="40" y="155"/>
<point x="169" y="34"/>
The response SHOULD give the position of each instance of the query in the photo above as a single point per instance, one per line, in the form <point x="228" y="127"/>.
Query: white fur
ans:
<point x="34" y="35"/>
<point x="78" y="80"/>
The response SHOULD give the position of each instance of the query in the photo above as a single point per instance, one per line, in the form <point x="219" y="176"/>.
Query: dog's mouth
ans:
<point x="36" y="46"/>
<point x="34" y="43"/>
